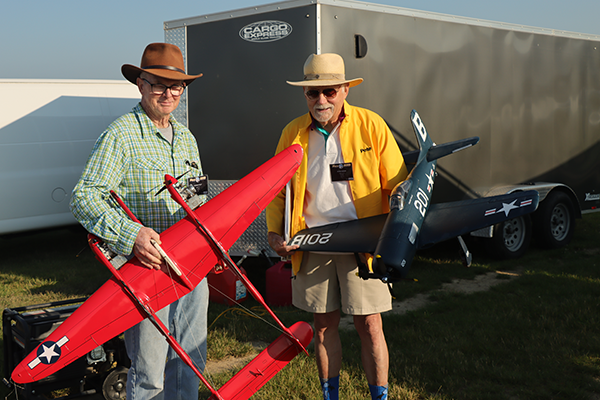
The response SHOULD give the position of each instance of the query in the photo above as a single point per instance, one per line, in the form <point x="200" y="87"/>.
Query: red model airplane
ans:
<point x="191" y="249"/>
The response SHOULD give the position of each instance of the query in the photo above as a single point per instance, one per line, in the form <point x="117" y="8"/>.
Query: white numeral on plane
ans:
<point x="421" y="202"/>
<point x="320" y="238"/>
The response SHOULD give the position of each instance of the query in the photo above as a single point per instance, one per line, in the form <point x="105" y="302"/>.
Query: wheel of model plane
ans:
<point x="554" y="221"/>
<point x="511" y="238"/>
<point x="113" y="387"/>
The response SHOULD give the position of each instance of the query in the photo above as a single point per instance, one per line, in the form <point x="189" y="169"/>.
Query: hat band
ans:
<point x="164" y="67"/>
<point x="324" y="77"/>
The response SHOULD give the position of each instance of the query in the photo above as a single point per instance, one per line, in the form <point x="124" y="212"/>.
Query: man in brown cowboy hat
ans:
<point x="351" y="163"/>
<point x="131" y="157"/>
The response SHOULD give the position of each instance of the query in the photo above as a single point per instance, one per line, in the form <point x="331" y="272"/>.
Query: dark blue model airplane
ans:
<point x="414" y="223"/>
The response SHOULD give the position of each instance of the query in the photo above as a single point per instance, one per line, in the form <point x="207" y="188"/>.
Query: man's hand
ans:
<point x="280" y="246"/>
<point x="145" y="251"/>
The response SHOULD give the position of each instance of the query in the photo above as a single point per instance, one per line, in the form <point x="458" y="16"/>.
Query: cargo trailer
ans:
<point x="532" y="95"/>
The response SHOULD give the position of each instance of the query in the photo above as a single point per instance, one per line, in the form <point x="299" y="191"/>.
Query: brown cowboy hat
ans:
<point x="325" y="70"/>
<point x="160" y="59"/>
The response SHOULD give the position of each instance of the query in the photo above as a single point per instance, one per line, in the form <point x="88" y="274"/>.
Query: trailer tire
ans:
<point x="510" y="238"/>
<point x="554" y="221"/>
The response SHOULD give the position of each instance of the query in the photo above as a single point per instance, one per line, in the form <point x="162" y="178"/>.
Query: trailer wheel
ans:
<point x="510" y="238"/>
<point x="554" y="221"/>
<point x="113" y="387"/>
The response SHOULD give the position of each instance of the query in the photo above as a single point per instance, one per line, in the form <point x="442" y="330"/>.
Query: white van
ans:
<point x="47" y="130"/>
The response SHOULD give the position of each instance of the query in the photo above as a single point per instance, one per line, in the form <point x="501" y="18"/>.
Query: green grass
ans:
<point x="46" y="266"/>
<point x="534" y="337"/>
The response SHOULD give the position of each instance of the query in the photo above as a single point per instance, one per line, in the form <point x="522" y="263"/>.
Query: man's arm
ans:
<point x="276" y="209"/>
<point x="91" y="203"/>
<point x="392" y="168"/>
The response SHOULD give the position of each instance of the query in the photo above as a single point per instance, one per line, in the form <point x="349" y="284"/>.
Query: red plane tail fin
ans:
<point x="265" y="365"/>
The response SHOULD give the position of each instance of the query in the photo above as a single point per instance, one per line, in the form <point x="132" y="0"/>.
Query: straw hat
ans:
<point x="160" y="59"/>
<point x="325" y="70"/>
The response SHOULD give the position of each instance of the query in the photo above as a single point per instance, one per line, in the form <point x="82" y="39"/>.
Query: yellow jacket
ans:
<point x="377" y="165"/>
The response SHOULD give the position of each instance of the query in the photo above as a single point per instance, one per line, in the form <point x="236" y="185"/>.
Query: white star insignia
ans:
<point x="507" y="207"/>
<point x="49" y="352"/>
<point x="430" y="178"/>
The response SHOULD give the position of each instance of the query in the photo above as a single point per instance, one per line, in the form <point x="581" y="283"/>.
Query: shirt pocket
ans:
<point x="148" y="174"/>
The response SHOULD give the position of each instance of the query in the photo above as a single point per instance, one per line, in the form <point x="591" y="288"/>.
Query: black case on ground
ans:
<point x="102" y="371"/>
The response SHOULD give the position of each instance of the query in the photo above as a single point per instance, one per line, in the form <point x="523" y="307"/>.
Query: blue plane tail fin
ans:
<point x="430" y="150"/>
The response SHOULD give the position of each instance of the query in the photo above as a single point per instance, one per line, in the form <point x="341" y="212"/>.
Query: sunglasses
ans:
<point x="314" y="94"/>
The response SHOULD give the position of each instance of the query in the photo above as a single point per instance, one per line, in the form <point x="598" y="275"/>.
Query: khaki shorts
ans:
<point x="326" y="280"/>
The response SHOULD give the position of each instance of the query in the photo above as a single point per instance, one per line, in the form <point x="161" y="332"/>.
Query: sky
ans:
<point x="84" y="39"/>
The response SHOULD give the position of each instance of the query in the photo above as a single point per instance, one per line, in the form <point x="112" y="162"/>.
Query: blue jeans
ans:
<point x="157" y="372"/>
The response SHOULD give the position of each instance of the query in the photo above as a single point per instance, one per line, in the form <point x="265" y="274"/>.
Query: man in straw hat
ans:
<point x="351" y="163"/>
<point x="131" y="157"/>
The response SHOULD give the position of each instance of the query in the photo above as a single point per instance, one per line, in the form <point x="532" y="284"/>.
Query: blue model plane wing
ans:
<point x="358" y="236"/>
<point x="448" y="220"/>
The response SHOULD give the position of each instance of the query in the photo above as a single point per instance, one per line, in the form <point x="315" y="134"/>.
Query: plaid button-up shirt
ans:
<point x="131" y="157"/>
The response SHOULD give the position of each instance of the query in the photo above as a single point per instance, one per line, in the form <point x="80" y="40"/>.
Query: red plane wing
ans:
<point x="110" y="311"/>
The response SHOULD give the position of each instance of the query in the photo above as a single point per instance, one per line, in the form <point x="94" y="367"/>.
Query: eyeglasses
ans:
<point x="314" y="94"/>
<point x="159" y="88"/>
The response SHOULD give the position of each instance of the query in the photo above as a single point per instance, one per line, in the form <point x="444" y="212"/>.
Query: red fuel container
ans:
<point x="279" y="284"/>
<point x="225" y="287"/>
